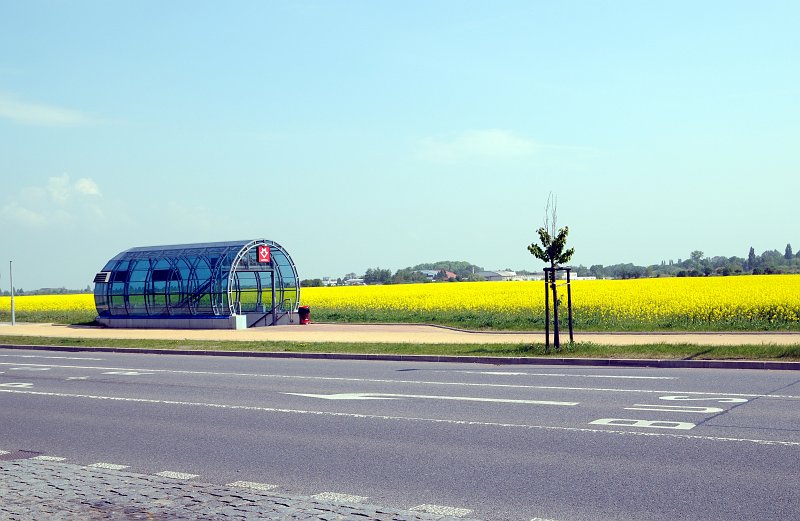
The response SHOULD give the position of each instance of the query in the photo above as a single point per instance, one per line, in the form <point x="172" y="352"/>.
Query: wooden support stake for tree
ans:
<point x="546" y="310"/>
<point x="556" y="340"/>
<point x="569" y="306"/>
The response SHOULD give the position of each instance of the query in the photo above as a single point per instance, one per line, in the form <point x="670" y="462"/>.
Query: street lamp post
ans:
<point x="11" y="282"/>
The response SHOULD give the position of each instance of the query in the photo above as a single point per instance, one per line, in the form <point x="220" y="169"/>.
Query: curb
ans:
<point x="495" y="360"/>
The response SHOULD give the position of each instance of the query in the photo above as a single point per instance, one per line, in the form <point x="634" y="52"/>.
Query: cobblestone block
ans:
<point x="32" y="490"/>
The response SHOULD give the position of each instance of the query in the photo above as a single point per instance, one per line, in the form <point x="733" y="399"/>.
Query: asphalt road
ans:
<point x="519" y="442"/>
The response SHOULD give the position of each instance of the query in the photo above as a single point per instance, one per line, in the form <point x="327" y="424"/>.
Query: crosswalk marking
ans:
<point x="252" y="485"/>
<point x="109" y="466"/>
<point x="176" y="475"/>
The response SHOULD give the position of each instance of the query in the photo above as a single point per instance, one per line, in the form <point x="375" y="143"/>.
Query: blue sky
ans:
<point x="366" y="134"/>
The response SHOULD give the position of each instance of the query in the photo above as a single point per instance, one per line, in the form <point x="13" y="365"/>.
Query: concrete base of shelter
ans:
<point x="243" y="321"/>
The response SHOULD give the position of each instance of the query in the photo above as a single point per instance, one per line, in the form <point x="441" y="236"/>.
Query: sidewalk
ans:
<point x="33" y="490"/>
<point x="392" y="333"/>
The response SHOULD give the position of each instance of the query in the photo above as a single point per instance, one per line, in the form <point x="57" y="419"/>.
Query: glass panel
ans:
<point x="100" y="299"/>
<point x="116" y="306"/>
<point x="247" y="291"/>
<point x="136" y="305"/>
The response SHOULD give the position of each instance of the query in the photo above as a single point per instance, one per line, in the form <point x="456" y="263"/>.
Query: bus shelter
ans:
<point x="214" y="285"/>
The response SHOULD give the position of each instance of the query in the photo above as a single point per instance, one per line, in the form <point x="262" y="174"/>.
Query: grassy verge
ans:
<point x="524" y="321"/>
<point x="579" y="349"/>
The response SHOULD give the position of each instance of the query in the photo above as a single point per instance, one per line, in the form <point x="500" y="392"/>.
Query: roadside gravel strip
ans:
<point x="34" y="489"/>
<point x="393" y="333"/>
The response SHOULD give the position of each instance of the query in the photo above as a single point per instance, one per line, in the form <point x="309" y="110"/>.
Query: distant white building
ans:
<point x="497" y="275"/>
<point x="429" y="273"/>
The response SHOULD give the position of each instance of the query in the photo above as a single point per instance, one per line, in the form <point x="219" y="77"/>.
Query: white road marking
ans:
<point x="624" y="377"/>
<point x="4" y="452"/>
<point x="126" y="373"/>
<point x="54" y="357"/>
<point x="176" y="475"/>
<point x="422" y="382"/>
<point x="649" y="424"/>
<point x="109" y="466"/>
<point x="335" y="497"/>
<point x="674" y="408"/>
<point x="77" y="378"/>
<point x="387" y="396"/>
<point x="703" y="398"/>
<point x="411" y="418"/>
<point x="441" y="510"/>
<point x="49" y="458"/>
<point x="21" y="385"/>
<point x="252" y="485"/>
<point x="29" y="369"/>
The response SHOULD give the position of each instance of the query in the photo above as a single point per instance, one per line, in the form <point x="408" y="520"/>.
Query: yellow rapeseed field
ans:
<point x="668" y="302"/>
<point x="49" y="303"/>
<point x="744" y="302"/>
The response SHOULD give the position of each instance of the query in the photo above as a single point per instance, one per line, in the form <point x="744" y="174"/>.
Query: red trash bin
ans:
<point x="304" y="313"/>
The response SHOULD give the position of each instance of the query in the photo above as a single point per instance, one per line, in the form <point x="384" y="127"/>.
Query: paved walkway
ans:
<point x="394" y="333"/>
<point x="32" y="490"/>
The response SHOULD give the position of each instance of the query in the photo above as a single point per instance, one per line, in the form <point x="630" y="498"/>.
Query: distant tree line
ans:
<point x="463" y="270"/>
<point x="697" y="265"/>
<point x="47" y="291"/>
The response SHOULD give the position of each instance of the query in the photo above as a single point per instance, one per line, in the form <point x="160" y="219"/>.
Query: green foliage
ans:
<point x="377" y="276"/>
<point x="552" y="248"/>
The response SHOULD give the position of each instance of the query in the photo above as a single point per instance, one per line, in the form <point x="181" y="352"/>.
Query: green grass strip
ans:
<point x="577" y="350"/>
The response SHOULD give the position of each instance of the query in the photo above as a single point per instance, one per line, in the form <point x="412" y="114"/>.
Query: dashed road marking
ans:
<point x="520" y="373"/>
<point x="441" y="510"/>
<point x="674" y="408"/>
<point x="49" y="458"/>
<point x="783" y="443"/>
<point x="55" y="357"/>
<point x="335" y="497"/>
<point x="109" y="466"/>
<point x="126" y="373"/>
<point x="252" y="485"/>
<point x="176" y="475"/>
<point x="78" y="378"/>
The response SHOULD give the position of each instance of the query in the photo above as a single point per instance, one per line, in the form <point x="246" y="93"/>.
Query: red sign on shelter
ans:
<point x="263" y="253"/>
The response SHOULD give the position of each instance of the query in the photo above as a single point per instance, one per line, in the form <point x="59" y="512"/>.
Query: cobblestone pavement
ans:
<point x="36" y="490"/>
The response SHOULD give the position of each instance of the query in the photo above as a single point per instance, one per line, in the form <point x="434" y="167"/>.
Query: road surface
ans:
<point x="484" y="441"/>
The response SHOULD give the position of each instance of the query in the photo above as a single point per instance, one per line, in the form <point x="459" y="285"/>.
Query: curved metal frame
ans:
<point x="233" y="281"/>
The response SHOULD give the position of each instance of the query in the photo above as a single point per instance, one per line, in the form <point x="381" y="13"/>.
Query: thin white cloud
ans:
<point x="478" y="144"/>
<point x="86" y="186"/>
<point x="39" y="114"/>
<point x="15" y="213"/>
<point x="60" y="201"/>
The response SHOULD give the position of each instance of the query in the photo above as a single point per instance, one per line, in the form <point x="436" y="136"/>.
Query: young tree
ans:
<point x="553" y="240"/>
